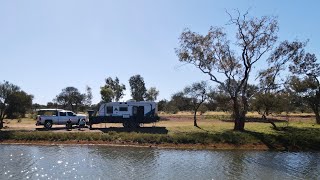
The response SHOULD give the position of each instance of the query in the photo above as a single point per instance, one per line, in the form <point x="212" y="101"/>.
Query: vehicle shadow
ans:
<point x="51" y="129"/>
<point x="149" y="130"/>
<point x="62" y="128"/>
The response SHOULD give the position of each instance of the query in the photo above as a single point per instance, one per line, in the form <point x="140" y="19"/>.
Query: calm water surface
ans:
<point x="100" y="162"/>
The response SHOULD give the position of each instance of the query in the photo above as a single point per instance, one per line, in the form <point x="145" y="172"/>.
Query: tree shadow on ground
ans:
<point x="201" y="128"/>
<point x="149" y="130"/>
<point x="290" y="139"/>
<point x="261" y="120"/>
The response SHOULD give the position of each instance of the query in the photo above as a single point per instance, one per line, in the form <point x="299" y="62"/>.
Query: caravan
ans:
<point x="131" y="114"/>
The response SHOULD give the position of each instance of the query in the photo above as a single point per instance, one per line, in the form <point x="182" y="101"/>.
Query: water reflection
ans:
<point x="98" y="162"/>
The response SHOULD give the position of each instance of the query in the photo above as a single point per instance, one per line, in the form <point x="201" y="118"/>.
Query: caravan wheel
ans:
<point x="135" y="125"/>
<point x="128" y="124"/>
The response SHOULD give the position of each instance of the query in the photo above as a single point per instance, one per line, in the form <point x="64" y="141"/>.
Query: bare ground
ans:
<point x="169" y="121"/>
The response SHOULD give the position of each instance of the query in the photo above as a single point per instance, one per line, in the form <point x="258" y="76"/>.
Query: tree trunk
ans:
<point x="195" y="119"/>
<point x="1" y="123"/>
<point x="273" y="124"/>
<point x="195" y="114"/>
<point x="239" y="123"/>
<point x="2" y="117"/>
<point x="316" y="112"/>
<point x="239" y="119"/>
<point x="317" y="117"/>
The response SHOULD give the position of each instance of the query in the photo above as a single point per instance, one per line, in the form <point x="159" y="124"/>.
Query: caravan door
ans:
<point x="138" y="112"/>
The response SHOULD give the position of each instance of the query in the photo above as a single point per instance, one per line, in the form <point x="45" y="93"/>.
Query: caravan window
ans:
<point x="123" y="108"/>
<point x="109" y="110"/>
<point x="134" y="110"/>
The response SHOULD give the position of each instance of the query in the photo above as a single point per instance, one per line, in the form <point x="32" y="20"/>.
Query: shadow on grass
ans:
<point x="290" y="139"/>
<point x="52" y="129"/>
<point x="261" y="120"/>
<point x="267" y="139"/>
<point x="201" y="128"/>
<point x="149" y="130"/>
<point x="5" y="135"/>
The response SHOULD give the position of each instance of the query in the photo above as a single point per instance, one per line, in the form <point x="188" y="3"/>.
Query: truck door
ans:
<point x="62" y="118"/>
<point x="73" y="117"/>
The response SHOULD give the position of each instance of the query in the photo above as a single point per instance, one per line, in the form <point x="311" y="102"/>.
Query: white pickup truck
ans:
<point x="49" y="117"/>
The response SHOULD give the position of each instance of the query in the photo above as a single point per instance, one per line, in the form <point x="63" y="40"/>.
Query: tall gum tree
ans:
<point x="198" y="94"/>
<point x="305" y="81"/>
<point x="212" y="55"/>
<point x="6" y="90"/>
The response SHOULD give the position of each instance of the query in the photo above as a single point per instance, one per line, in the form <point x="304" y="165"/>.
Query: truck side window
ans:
<point x="109" y="109"/>
<point x="71" y="114"/>
<point x="62" y="113"/>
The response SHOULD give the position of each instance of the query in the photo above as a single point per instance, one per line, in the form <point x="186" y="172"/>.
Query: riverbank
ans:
<point x="291" y="139"/>
<point x="177" y="131"/>
<point x="259" y="147"/>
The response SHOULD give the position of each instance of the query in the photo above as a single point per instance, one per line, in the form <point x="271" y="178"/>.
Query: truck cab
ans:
<point x="49" y="117"/>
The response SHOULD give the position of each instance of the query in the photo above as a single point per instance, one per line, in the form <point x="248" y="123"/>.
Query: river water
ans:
<point x="102" y="162"/>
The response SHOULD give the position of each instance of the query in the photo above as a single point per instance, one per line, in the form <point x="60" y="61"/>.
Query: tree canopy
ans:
<point x="151" y="94"/>
<point x="305" y="82"/>
<point x="137" y="87"/>
<point x="18" y="104"/>
<point x="70" y="98"/>
<point x="230" y="65"/>
<point x="197" y="93"/>
<point x="112" y="90"/>
<point x="13" y="101"/>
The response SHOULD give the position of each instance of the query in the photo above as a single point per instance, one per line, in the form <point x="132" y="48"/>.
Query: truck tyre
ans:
<point x="48" y="124"/>
<point x="126" y="124"/>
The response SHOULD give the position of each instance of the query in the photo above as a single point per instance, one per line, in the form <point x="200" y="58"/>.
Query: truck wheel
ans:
<point x="126" y="124"/>
<point x="48" y="124"/>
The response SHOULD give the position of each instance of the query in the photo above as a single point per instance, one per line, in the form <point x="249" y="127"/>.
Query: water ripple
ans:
<point x="95" y="162"/>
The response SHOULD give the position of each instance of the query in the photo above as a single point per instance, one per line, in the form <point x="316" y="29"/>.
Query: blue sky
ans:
<point x="46" y="46"/>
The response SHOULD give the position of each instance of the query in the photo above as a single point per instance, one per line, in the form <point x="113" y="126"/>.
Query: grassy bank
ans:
<point x="296" y="132"/>
<point x="291" y="138"/>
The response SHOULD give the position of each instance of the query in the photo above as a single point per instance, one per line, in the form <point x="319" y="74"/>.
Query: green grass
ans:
<point x="177" y="138"/>
<point x="297" y="136"/>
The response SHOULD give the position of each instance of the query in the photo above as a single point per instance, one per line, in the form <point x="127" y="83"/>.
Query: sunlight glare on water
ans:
<point x="101" y="162"/>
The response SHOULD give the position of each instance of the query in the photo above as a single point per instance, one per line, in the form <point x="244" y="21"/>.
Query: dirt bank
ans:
<point x="218" y="146"/>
